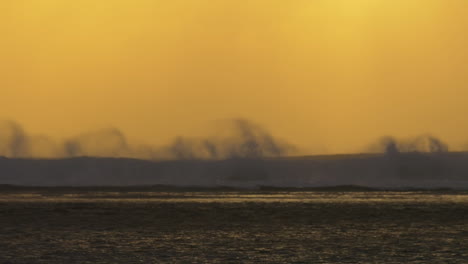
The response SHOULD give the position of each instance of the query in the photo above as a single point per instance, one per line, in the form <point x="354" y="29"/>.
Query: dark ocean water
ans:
<point x="234" y="227"/>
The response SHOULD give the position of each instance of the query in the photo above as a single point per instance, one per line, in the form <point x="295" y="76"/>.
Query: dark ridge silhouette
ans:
<point x="416" y="170"/>
<point x="8" y="188"/>
<point x="130" y="191"/>
<point x="246" y="156"/>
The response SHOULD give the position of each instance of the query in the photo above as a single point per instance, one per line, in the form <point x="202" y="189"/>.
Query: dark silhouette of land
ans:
<point x="399" y="170"/>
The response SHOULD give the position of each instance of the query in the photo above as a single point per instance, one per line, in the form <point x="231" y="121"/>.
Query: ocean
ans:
<point x="250" y="226"/>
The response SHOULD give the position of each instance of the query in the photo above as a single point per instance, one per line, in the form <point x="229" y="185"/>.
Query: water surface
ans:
<point x="233" y="227"/>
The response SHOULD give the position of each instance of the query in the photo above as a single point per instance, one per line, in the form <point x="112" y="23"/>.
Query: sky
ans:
<point x="330" y="76"/>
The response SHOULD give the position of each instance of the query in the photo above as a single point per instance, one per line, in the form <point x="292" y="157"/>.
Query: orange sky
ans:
<point x="328" y="75"/>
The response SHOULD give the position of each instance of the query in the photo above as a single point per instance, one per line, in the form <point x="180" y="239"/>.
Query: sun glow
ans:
<point x="344" y="71"/>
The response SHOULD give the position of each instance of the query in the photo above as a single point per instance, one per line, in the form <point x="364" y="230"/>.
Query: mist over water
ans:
<point x="13" y="140"/>
<point x="236" y="138"/>
<point x="420" y="144"/>
<point x="240" y="138"/>
<point x="237" y="155"/>
<point x="243" y="139"/>
<point x="109" y="142"/>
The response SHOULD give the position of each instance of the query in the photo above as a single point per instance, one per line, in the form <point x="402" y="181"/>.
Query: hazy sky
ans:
<point x="335" y="74"/>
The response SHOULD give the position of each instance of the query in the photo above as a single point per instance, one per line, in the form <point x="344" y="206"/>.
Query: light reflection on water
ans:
<point x="241" y="197"/>
<point x="234" y="227"/>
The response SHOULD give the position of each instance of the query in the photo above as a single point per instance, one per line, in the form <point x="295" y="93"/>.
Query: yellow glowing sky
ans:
<point x="335" y="74"/>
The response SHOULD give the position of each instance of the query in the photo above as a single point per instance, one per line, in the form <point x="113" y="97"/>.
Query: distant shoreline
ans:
<point x="6" y="188"/>
<point x="347" y="172"/>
